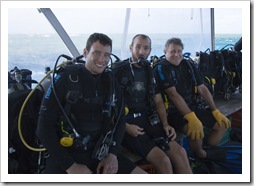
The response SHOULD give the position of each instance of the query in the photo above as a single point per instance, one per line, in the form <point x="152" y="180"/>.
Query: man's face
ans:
<point x="141" y="48"/>
<point x="97" y="58"/>
<point x="174" y="54"/>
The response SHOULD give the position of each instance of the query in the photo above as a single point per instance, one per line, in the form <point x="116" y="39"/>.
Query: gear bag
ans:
<point x="22" y="160"/>
<point x="233" y="62"/>
<point x="223" y="69"/>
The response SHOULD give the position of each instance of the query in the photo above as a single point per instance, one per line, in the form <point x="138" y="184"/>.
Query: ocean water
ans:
<point x="35" y="52"/>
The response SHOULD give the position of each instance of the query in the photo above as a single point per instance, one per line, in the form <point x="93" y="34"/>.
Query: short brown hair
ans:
<point x="174" y="40"/>
<point x="102" y="38"/>
<point x="143" y="37"/>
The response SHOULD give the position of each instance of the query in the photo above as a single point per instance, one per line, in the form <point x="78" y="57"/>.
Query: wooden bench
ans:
<point x="230" y="106"/>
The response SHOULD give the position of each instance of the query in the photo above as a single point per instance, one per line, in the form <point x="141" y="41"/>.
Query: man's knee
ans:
<point x="219" y="130"/>
<point x="157" y="156"/>
<point x="138" y="170"/>
<point x="176" y="149"/>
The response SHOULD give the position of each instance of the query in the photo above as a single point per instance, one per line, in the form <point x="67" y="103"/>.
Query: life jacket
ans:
<point x="75" y="91"/>
<point x="233" y="63"/>
<point x="124" y="72"/>
<point x="192" y="98"/>
<point x="221" y="68"/>
<point x="109" y="110"/>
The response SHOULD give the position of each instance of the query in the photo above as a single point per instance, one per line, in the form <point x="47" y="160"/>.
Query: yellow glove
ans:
<point x="220" y="118"/>
<point x="195" y="127"/>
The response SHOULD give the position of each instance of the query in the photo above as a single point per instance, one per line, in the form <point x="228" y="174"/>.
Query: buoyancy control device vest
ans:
<point x="138" y="85"/>
<point x="88" y="101"/>
<point x="183" y="77"/>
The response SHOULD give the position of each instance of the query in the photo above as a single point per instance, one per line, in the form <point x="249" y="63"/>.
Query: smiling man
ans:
<point x="180" y="80"/>
<point x="88" y="139"/>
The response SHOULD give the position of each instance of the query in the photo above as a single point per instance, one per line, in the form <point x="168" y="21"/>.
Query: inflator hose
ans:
<point x="22" y="109"/>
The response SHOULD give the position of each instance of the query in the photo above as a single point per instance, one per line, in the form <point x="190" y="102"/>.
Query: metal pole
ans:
<point x="212" y="30"/>
<point x="125" y="32"/>
<point x="60" y="30"/>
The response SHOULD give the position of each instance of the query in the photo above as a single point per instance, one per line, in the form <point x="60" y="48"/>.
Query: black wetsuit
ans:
<point x="182" y="78"/>
<point x="136" y="85"/>
<point x="87" y="117"/>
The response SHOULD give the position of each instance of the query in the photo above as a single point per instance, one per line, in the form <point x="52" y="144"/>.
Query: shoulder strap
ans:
<point x="151" y="86"/>
<point x="168" y="65"/>
<point x="123" y="73"/>
<point x="75" y="88"/>
<point x="189" y="64"/>
<point x="113" y="117"/>
<point x="75" y="91"/>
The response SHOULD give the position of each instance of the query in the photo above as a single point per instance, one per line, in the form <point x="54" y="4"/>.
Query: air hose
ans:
<point x="23" y="107"/>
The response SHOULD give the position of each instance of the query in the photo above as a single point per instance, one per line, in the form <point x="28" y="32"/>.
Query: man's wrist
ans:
<point x="165" y="124"/>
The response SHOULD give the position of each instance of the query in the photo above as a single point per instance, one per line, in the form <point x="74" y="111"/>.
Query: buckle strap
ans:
<point x="135" y="115"/>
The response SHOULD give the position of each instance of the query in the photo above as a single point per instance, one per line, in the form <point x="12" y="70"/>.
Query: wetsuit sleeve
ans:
<point x="164" y="79"/>
<point x="120" y="128"/>
<point x="47" y="123"/>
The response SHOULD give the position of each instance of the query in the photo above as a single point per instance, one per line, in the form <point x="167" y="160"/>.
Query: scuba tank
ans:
<point x="47" y="81"/>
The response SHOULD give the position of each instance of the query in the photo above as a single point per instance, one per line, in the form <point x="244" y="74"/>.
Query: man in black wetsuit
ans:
<point x="148" y="133"/>
<point x="96" y="112"/>
<point x="176" y="78"/>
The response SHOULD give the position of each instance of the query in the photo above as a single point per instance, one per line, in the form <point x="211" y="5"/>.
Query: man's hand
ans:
<point x="220" y="118"/>
<point x="134" y="130"/>
<point x="78" y="169"/>
<point x="170" y="132"/>
<point x="195" y="127"/>
<point x="108" y="165"/>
